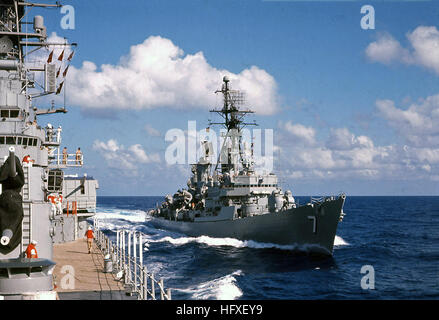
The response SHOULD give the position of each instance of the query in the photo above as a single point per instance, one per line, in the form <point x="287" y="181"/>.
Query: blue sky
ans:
<point x="326" y="81"/>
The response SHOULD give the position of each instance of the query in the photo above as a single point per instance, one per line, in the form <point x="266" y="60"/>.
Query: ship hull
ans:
<point x="306" y="228"/>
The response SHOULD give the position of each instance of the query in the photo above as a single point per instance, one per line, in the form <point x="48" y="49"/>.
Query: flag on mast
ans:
<point x="61" y="56"/>
<point x="65" y="71"/>
<point x="49" y="59"/>
<point x="59" y="88"/>
<point x="71" y="56"/>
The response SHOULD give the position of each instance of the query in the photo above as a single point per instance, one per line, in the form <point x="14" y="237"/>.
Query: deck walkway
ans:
<point x="90" y="282"/>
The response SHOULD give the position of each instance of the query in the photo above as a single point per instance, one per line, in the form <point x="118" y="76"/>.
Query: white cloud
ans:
<point x="314" y="158"/>
<point x="386" y="50"/>
<point x="296" y="175"/>
<point x="429" y="156"/>
<point x="346" y="155"/>
<point x="342" y="150"/>
<point x="157" y="73"/>
<point x="138" y="153"/>
<point x="426" y="167"/>
<point x="111" y="146"/>
<point x="425" y="42"/>
<point x="418" y="124"/>
<point x="117" y="156"/>
<point x="152" y="131"/>
<point x="343" y="139"/>
<point x="364" y="157"/>
<point x="300" y="132"/>
<point x="424" y="51"/>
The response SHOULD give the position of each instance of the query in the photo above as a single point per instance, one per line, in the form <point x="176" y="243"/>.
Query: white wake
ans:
<point x="224" y="288"/>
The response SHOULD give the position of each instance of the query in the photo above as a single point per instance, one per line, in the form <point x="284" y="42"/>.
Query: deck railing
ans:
<point x="90" y="206"/>
<point x="127" y="260"/>
<point x="69" y="160"/>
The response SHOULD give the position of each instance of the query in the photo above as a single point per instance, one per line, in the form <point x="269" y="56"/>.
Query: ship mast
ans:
<point x="234" y="123"/>
<point x="15" y="41"/>
<point x="12" y="37"/>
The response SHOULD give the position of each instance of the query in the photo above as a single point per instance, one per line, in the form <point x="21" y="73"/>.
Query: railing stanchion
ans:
<point x="119" y="258"/>
<point x="129" y="257"/>
<point x="117" y="249"/>
<point x="130" y="262"/>
<point x="140" y="250"/>
<point x="123" y="254"/>
<point x="162" y="289"/>
<point x="152" y="286"/>
<point x="135" y="261"/>
<point x="145" y="283"/>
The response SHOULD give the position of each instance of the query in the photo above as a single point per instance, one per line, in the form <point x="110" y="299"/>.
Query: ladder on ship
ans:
<point x="26" y="225"/>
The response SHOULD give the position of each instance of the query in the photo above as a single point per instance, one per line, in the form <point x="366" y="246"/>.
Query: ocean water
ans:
<point x="397" y="236"/>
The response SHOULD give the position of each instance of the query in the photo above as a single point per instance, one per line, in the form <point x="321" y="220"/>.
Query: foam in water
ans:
<point x="129" y="215"/>
<point x="339" y="241"/>
<point x="113" y="219"/>
<point x="224" y="288"/>
<point x="221" y="242"/>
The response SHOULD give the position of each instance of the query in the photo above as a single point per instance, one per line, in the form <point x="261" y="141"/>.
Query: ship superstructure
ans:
<point x="231" y="199"/>
<point x="35" y="194"/>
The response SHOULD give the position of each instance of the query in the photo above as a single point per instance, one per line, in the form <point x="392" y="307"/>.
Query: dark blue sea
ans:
<point x="396" y="236"/>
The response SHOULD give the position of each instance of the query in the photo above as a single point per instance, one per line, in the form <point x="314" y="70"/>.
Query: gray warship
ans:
<point x="38" y="203"/>
<point x="234" y="201"/>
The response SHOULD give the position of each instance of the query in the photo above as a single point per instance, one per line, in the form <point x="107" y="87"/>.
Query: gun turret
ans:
<point x="6" y="237"/>
<point x="12" y="166"/>
<point x="11" y="203"/>
<point x="11" y="173"/>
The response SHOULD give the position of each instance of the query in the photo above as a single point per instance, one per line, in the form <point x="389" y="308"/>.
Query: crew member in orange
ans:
<point x="79" y="156"/>
<point x="27" y="159"/>
<point x="31" y="250"/>
<point x="64" y="155"/>
<point x="51" y="198"/>
<point x="89" y="235"/>
<point x="56" y="201"/>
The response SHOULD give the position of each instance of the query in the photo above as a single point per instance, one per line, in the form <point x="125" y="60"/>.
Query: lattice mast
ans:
<point x="231" y="151"/>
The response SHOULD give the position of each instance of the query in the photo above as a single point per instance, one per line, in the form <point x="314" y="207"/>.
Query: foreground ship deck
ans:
<point x="90" y="282"/>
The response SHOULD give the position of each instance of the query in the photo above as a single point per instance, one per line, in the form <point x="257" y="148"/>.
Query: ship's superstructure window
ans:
<point x="10" y="140"/>
<point x="9" y="113"/>
<point x="255" y="185"/>
<point x="54" y="182"/>
<point x="21" y="141"/>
